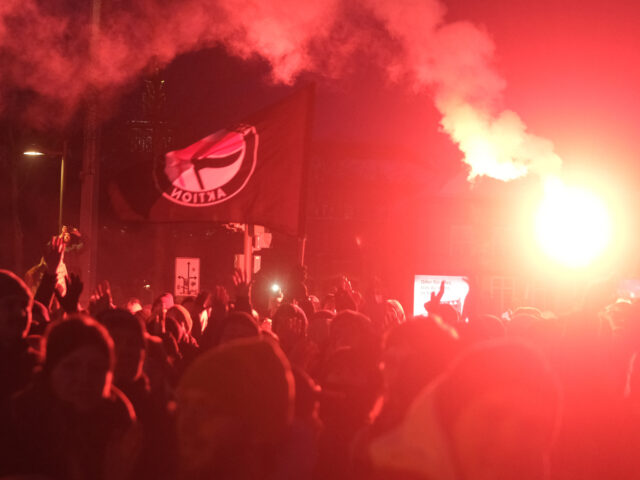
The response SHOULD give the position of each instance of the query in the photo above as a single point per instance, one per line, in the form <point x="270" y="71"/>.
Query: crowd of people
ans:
<point x="340" y="385"/>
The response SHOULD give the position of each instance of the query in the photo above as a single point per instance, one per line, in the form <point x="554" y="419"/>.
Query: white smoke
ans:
<point x="455" y="61"/>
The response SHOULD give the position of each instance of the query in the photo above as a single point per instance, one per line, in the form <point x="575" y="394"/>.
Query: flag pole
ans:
<point x="302" y="246"/>
<point x="302" y="226"/>
<point x="248" y="252"/>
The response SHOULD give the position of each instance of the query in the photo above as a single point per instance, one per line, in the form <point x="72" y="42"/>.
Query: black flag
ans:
<point x="253" y="172"/>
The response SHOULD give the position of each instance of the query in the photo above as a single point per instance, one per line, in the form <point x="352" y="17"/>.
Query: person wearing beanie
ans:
<point x="290" y="325"/>
<point x="234" y="326"/>
<point x="128" y="334"/>
<point x="65" y="338"/>
<point x="181" y="331"/>
<point x="353" y="329"/>
<point x="150" y="404"/>
<point x="235" y="405"/>
<point x="414" y="354"/>
<point x="71" y="422"/>
<point x="17" y="360"/>
<point x="493" y="415"/>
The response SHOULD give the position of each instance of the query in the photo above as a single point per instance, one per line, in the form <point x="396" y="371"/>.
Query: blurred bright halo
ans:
<point x="573" y="225"/>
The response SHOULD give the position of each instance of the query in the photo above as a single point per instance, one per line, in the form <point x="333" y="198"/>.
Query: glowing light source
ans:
<point x="33" y="153"/>
<point x="573" y="226"/>
<point x="275" y="288"/>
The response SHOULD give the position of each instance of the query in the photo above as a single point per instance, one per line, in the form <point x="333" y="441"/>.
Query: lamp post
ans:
<point x="36" y="152"/>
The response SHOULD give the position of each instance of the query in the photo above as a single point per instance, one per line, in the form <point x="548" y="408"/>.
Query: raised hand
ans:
<point x="433" y="304"/>
<point x="74" y="288"/>
<point x="242" y="291"/>
<point x="101" y="299"/>
<point x="242" y="286"/>
<point x="54" y="254"/>
<point x="438" y="297"/>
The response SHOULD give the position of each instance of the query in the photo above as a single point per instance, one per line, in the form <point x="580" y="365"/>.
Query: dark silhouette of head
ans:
<point x="16" y="303"/>
<point x="414" y="354"/>
<point x="79" y="362"/>
<point x="235" y="402"/>
<point x="493" y="414"/>
<point x="352" y="329"/>
<point x="290" y="325"/>
<point x="237" y="325"/>
<point x="128" y="334"/>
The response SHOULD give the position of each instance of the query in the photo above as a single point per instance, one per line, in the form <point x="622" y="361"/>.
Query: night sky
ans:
<point x="570" y="67"/>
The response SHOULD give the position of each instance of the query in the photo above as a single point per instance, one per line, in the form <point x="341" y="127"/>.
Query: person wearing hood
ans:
<point x="493" y="415"/>
<point x="72" y="423"/>
<point x="235" y="407"/>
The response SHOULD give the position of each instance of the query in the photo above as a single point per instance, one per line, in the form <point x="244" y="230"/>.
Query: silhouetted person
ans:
<point x="235" y="406"/>
<point x="72" y="422"/>
<point x="351" y="383"/>
<point x="299" y="454"/>
<point x="290" y="325"/>
<point x="414" y="354"/>
<point x="151" y="406"/>
<point x="352" y="329"/>
<point x="236" y="326"/>
<point x="493" y="415"/>
<point x="17" y="359"/>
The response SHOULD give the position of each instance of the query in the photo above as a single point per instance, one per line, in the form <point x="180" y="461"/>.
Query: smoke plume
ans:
<point x="455" y="60"/>
<point x="48" y="50"/>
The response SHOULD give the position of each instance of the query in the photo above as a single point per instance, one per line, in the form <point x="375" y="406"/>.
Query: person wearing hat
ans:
<point x="235" y="407"/>
<point x="493" y="415"/>
<point x="72" y="422"/>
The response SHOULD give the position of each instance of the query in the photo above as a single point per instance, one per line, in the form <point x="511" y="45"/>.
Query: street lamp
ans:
<point x="33" y="151"/>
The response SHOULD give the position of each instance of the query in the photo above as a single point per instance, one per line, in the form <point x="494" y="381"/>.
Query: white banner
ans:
<point x="187" y="276"/>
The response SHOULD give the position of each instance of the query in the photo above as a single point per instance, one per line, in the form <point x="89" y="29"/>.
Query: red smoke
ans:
<point x="49" y="52"/>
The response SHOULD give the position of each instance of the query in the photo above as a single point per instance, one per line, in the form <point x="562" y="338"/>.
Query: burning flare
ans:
<point x="498" y="147"/>
<point x="572" y="225"/>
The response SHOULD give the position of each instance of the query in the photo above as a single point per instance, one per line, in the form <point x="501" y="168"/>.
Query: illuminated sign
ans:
<point x="456" y="290"/>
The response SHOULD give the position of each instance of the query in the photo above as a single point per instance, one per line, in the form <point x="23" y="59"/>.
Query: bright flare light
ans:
<point x="572" y="225"/>
<point x="33" y="153"/>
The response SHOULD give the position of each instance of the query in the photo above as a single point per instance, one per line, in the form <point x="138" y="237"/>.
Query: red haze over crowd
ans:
<point x="48" y="50"/>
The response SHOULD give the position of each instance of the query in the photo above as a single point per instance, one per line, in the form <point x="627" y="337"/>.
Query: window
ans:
<point x="501" y="291"/>
<point x="460" y="244"/>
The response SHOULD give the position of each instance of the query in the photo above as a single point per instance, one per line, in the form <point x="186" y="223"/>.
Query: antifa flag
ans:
<point x="253" y="172"/>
